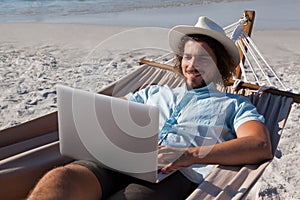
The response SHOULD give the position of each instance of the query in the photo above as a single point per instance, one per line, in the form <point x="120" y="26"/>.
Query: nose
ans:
<point x="193" y="63"/>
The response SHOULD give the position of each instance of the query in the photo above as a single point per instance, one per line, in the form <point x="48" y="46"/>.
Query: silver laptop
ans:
<point x="118" y="134"/>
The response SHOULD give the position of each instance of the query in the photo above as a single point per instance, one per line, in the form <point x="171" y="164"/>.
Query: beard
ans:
<point x="196" y="81"/>
<point x="194" y="84"/>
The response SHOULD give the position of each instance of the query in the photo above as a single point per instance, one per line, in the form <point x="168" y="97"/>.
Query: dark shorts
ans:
<point x="119" y="186"/>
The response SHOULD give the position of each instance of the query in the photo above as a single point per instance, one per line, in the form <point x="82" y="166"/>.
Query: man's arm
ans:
<point x="251" y="146"/>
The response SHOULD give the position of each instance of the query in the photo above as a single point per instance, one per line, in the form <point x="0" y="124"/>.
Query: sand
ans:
<point x="280" y="179"/>
<point x="36" y="57"/>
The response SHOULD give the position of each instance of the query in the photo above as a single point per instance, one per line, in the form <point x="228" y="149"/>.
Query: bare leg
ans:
<point x="69" y="182"/>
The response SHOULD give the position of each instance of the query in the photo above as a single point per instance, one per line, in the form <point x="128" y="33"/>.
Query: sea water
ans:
<point x="82" y="11"/>
<point x="271" y="14"/>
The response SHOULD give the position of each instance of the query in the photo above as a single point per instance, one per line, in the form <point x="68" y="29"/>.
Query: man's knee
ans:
<point x="67" y="172"/>
<point x="72" y="180"/>
<point x="60" y="176"/>
<point x="73" y="173"/>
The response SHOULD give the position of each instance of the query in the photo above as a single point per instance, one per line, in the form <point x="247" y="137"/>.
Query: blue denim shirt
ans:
<point x="197" y="117"/>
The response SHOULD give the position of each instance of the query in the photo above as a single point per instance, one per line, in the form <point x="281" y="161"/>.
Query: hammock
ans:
<point x="28" y="150"/>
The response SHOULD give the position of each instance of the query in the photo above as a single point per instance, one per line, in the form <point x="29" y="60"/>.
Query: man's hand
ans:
<point x="175" y="158"/>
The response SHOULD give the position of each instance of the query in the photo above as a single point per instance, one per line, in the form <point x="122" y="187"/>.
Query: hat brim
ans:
<point x="177" y="32"/>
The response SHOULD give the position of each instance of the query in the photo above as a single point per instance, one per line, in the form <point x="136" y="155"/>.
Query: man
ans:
<point x="200" y="126"/>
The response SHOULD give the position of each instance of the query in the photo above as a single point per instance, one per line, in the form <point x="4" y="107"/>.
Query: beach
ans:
<point x="36" y="56"/>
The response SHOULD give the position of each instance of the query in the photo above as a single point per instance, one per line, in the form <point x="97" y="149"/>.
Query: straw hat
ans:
<point x="204" y="26"/>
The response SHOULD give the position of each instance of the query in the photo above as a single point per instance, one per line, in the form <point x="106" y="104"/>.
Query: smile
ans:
<point x="194" y="73"/>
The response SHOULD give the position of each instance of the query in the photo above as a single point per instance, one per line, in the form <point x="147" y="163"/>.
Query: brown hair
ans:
<point x="225" y="62"/>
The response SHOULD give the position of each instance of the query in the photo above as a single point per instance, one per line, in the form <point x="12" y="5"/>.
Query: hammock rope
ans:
<point x="264" y="61"/>
<point x="248" y="62"/>
<point x="234" y="30"/>
<point x="260" y="70"/>
<point x="254" y="56"/>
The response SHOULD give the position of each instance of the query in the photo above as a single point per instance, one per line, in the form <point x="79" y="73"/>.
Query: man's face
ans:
<point x="198" y="64"/>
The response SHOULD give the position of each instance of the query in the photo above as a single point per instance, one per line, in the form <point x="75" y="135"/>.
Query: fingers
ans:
<point x="169" y="168"/>
<point x="166" y="157"/>
<point x="170" y="157"/>
<point x="174" y="158"/>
